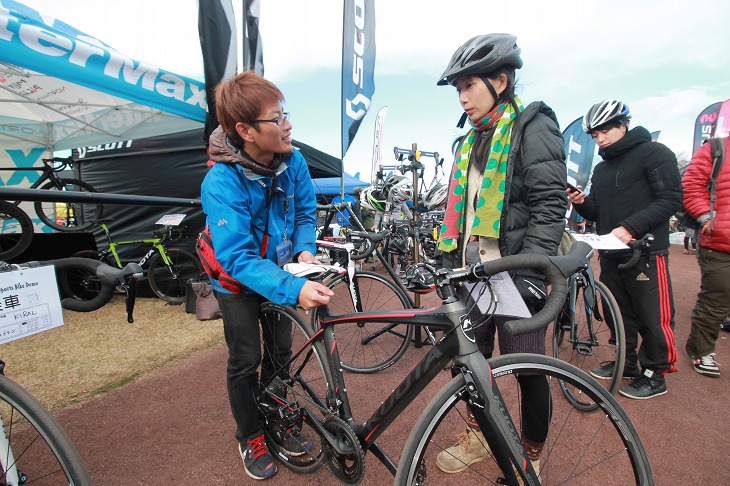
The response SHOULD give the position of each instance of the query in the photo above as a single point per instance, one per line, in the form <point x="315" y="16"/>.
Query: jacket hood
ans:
<point x="533" y="109"/>
<point x="221" y="149"/>
<point x="635" y="136"/>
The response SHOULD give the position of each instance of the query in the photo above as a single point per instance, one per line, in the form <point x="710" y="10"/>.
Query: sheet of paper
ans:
<point x="29" y="303"/>
<point x="509" y="300"/>
<point x="171" y="219"/>
<point x="601" y="242"/>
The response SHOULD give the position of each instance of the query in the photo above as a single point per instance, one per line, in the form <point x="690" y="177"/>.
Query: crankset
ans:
<point x="349" y="465"/>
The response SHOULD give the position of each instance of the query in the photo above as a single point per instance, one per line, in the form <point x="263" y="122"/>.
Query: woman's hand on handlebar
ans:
<point x="314" y="294"/>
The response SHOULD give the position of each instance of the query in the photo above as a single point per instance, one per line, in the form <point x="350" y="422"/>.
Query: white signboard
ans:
<point x="29" y="303"/>
<point x="171" y="219"/>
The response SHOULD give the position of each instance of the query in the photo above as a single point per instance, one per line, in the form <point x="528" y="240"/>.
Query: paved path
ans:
<point x="174" y="426"/>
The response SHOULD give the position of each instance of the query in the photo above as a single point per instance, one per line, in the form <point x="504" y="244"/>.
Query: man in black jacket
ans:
<point x="634" y="191"/>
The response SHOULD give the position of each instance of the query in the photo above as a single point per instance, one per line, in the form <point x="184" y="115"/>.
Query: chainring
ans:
<point x="350" y="466"/>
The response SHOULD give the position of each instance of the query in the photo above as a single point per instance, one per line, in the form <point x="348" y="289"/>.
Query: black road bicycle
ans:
<point x="61" y="216"/>
<point x="306" y="398"/>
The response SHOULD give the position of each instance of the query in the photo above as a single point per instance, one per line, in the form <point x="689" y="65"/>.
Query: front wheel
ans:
<point x="580" y="448"/>
<point x="369" y="346"/>
<point x="68" y="216"/>
<point x="35" y="448"/>
<point x="597" y="340"/>
<point x="169" y="283"/>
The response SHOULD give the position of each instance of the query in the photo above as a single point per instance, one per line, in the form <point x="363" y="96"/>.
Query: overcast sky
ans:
<point x="666" y="58"/>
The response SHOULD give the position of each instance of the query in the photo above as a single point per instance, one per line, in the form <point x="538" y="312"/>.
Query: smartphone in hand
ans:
<point x="573" y="188"/>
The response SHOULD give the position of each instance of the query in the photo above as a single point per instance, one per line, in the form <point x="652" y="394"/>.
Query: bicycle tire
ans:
<point x="42" y="450"/>
<point x="607" y="325"/>
<point x="370" y="346"/>
<point x="581" y="448"/>
<point x="86" y="265"/>
<point x="82" y="284"/>
<point x="84" y="213"/>
<point x="172" y="287"/>
<point x="16" y="233"/>
<point x="307" y="382"/>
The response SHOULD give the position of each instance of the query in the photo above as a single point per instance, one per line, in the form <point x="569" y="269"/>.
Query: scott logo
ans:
<point x="358" y="64"/>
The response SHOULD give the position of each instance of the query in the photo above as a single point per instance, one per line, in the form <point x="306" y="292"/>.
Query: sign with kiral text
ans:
<point x="29" y="303"/>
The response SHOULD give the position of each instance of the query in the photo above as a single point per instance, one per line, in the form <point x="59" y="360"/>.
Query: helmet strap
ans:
<point x="491" y="90"/>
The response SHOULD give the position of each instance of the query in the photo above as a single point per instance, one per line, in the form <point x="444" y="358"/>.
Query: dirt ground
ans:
<point x="174" y="426"/>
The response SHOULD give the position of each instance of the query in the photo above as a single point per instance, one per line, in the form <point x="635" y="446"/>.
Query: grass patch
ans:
<point x="98" y="351"/>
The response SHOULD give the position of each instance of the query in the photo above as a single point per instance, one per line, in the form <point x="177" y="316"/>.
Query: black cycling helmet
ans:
<point x="483" y="54"/>
<point x="605" y="112"/>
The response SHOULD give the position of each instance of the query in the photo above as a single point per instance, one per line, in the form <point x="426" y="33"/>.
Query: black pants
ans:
<point x="644" y="296"/>
<point x="244" y="329"/>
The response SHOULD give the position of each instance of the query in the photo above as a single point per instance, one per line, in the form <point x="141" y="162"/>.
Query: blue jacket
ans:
<point x="235" y="198"/>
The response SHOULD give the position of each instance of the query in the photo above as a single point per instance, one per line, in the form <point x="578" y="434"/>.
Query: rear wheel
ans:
<point x="69" y="216"/>
<point x="170" y="283"/>
<point x="16" y="231"/>
<point x="369" y="346"/>
<point x="81" y="284"/>
<point x="292" y="393"/>
<point x="600" y="448"/>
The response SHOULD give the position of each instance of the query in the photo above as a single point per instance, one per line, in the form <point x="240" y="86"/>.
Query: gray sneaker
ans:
<point x="706" y="365"/>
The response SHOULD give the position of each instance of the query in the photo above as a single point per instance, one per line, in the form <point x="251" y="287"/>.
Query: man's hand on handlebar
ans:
<point x="314" y="294"/>
<point x="622" y="234"/>
<point x="307" y="257"/>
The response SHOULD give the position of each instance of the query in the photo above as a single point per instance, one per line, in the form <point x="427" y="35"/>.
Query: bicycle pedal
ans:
<point x="584" y="350"/>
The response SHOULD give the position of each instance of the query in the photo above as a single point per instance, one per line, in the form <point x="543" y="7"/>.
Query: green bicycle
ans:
<point x="167" y="269"/>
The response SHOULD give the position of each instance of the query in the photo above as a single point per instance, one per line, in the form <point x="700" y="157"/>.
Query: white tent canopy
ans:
<point x="62" y="89"/>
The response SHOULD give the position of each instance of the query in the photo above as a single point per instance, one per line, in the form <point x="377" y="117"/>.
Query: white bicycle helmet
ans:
<point x="435" y="197"/>
<point x="606" y="112"/>
<point x="401" y="193"/>
<point x="373" y="199"/>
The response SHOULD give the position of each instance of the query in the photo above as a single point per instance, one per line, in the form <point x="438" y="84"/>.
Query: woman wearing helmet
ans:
<point x="506" y="196"/>
<point x="634" y="191"/>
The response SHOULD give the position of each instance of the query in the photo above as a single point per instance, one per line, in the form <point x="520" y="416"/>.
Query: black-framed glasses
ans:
<point x="279" y="120"/>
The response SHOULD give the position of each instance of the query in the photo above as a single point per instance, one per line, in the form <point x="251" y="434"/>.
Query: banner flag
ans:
<point x="358" y="66"/>
<point x="655" y="135"/>
<point x="253" y="52"/>
<point x="705" y="125"/>
<point x="581" y="153"/>
<point x="378" y="141"/>
<point x="722" y="127"/>
<point x="217" y="31"/>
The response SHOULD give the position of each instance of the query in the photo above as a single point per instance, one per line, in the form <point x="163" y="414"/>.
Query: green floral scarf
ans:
<point x="491" y="195"/>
